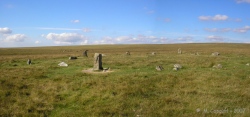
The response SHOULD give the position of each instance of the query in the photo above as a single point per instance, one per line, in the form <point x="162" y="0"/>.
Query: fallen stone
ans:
<point x="178" y="66"/>
<point x="63" y="64"/>
<point x="219" y="66"/>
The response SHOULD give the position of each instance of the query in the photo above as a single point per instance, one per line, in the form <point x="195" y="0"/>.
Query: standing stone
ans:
<point x="85" y="53"/>
<point x="179" y="51"/>
<point x="29" y="62"/>
<point x="98" y="62"/>
<point x="153" y="53"/>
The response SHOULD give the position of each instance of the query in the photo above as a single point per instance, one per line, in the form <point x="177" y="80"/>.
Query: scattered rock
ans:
<point x="247" y="64"/>
<point x="72" y="58"/>
<point x="219" y="66"/>
<point x="63" y="64"/>
<point x="153" y="53"/>
<point x="159" y="68"/>
<point x="215" y="54"/>
<point x="177" y="67"/>
<point x="106" y="69"/>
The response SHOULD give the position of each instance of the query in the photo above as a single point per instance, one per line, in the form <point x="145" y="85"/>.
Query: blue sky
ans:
<point x="86" y="22"/>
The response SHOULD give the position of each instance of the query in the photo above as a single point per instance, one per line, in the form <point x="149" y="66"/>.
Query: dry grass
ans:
<point x="136" y="88"/>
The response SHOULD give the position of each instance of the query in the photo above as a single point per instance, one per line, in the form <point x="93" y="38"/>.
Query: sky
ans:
<point x="31" y="23"/>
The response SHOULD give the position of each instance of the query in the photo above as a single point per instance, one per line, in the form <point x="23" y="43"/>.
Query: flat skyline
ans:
<point x="89" y="22"/>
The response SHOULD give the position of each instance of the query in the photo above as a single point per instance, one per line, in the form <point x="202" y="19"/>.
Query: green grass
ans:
<point x="135" y="88"/>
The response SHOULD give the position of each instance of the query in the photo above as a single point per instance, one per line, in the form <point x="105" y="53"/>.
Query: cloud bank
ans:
<point x="5" y="30"/>
<point x="15" y="38"/>
<point x="214" y="18"/>
<point x="67" y="38"/>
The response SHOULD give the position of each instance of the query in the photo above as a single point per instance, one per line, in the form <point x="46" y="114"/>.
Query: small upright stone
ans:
<point x="247" y="64"/>
<point x="153" y="53"/>
<point x="85" y="53"/>
<point x="179" y="51"/>
<point x="29" y="62"/>
<point x="98" y="62"/>
<point x="127" y="53"/>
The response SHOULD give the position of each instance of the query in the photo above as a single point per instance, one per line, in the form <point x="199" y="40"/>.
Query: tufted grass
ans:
<point x="135" y="88"/>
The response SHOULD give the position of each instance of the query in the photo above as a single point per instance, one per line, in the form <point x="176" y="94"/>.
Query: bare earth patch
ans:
<point x="90" y="70"/>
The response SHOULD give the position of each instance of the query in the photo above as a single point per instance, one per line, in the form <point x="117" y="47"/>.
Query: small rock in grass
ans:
<point x="177" y="66"/>
<point x="159" y="68"/>
<point x="219" y="66"/>
<point x="215" y="54"/>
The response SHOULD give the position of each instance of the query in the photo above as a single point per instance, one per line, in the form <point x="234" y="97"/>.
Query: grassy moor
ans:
<point x="134" y="88"/>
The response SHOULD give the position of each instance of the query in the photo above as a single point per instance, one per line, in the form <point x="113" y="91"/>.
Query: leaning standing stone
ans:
<point x="98" y="62"/>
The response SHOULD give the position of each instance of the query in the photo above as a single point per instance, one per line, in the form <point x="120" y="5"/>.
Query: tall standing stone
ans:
<point x="98" y="62"/>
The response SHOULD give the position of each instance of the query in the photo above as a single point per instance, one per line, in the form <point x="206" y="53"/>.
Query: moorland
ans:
<point x="133" y="88"/>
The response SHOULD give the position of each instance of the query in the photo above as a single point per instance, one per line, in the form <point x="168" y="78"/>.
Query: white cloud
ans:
<point x="37" y="42"/>
<point x="215" y="38"/>
<point x="242" y="30"/>
<point x="75" y="21"/>
<point x="185" y="39"/>
<point x="218" y="29"/>
<point x="5" y="30"/>
<point x="66" y="38"/>
<point x="139" y="39"/>
<point x="49" y="28"/>
<point x="15" y="38"/>
<point x="214" y="18"/>
<point x="242" y="1"/>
